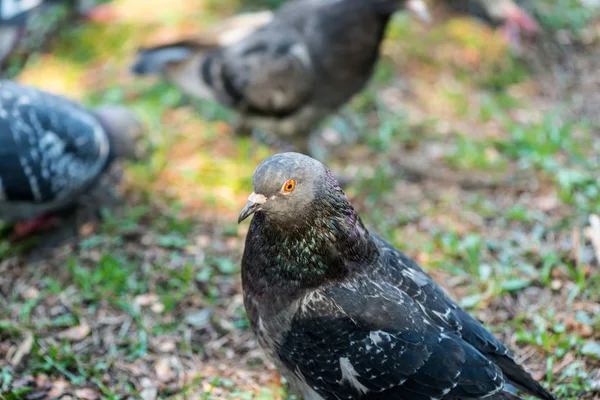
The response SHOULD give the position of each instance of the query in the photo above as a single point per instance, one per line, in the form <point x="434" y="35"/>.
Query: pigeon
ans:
<point x="344" y="314"/>
<point x="19" y="17"/>
<point x="53" y="150"/>
<point x="506" y="15"/>
<point x="14" y="12"/>
<point x="290" y="70"/>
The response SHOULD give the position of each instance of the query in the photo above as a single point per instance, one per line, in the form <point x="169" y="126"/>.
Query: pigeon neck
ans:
<point x="329" y="244"/>
<point x="113" y="144"/>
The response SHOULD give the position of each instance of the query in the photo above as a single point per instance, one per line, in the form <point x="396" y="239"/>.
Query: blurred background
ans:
<point x="147" y="304"/>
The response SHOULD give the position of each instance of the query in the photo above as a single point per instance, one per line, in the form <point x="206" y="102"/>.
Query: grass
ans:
<point x="148" y="302"/>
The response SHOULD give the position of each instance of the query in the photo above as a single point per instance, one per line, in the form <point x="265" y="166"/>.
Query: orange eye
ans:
<point x="289" y="186"/>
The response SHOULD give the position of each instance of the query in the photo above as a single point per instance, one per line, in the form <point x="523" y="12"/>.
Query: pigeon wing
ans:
<point x="370" y="340"/>
<point x="50" y="147"/>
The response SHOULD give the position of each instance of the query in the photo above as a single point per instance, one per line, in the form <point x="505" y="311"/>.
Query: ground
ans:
<point x="147" y="302"/>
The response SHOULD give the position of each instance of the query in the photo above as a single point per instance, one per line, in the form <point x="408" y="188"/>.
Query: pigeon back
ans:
<point x="51" y="150"/>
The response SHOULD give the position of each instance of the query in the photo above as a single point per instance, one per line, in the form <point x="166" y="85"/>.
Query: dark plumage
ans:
<point x="52" y="150"/>
<point x="344" y="314"/>
<point x="287" y="72"/>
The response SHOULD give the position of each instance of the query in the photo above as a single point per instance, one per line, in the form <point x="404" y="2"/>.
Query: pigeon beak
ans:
<point x="420" y="9"/>
<point x="252" y="206"/>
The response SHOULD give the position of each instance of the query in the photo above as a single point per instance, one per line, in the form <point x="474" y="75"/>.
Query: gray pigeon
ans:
<point x="33" y="20"/>
<point x="286" y="75"/>
<point x="346" y="315"/>
<point x="53" y="150"/>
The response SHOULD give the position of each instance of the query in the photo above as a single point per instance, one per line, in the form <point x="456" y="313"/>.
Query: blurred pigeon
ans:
<point x="53" y="150"/>
<point x="346" y="315"/>
<point x="290" y="70"/>
<point x="17" y="17"/>
<point x="506" y="15"/>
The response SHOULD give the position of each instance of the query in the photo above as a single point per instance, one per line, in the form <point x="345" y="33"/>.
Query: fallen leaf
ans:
<point x="58" y="389"/>
<point x="149" y="391"/>
<point x="76" y="333"/>
<point x="157" y="307"/>
<point x="585" y="331"/>
<point x="548" y="203"/>
<point x="556" y="284"/>
<point x="166" y="347"/>
<point x="24" y="381"/>
<point x="199" y="319"/>
<point x="23" y="350"/>
<point x="146" y="299"/>
<point x="31" y="293"/>
<point x="87" y="229"/>
<point x="592" y="349"/>
<point x="163" y="370"/>
<point x="86" y="394"/>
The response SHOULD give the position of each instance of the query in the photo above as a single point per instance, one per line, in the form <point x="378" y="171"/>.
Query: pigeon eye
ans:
<point x="289" y="186"/>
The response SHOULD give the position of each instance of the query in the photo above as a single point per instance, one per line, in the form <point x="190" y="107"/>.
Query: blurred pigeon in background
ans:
<point x="36" y="19"/>
<point x="290" y="70"/>
<point x="52" y="150"/>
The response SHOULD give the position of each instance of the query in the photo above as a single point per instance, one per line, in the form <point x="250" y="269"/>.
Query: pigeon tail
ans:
<point x="522" y="380"/>
<point x="504" y="396"/>
<point x="155" y="60"/>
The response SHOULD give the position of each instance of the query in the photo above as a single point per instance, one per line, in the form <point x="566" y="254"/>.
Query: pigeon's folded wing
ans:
<point x="405" y="275"/>
<point x="372" y="339"/>
<point x="50" y="147"/>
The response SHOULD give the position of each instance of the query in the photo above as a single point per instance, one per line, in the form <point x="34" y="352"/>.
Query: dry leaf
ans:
<point x="146" y="299"/>
<point x="23" y="350"/>
<point x="585" y="331"/>
<point x="58" y="389"/>
<point x="31" y="293"/>
<point x="556" y="284"/>
<point x="157" y="307"/>
<point x="76" y="333"/>
<point x="87" y="229"/>
<point x="166" y="347"/>
<point x="86" y="394"/>
<point x="163" y="370"/>
<point x="199" y="319"/>
<point x="150" y="390"/>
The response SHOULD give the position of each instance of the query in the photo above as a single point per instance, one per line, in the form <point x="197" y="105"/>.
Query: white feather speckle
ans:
<point x="350" y="375"/>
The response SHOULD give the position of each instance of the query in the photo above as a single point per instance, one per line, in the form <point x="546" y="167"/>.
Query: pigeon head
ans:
<point x="286" y="187"/>
<point x="124" y="129"/>
<point x="304" y="224"/>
